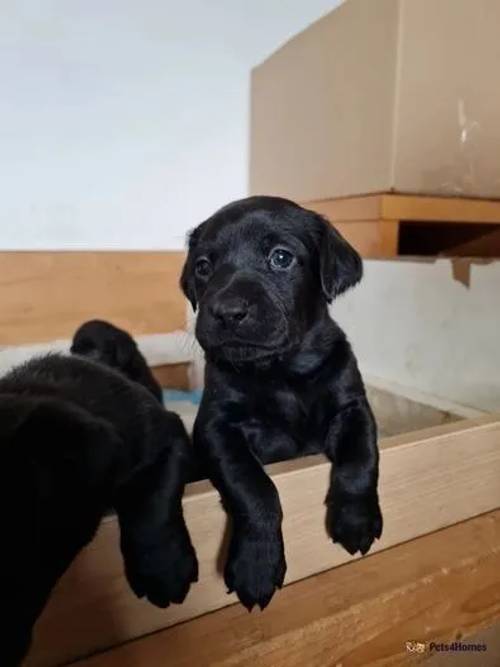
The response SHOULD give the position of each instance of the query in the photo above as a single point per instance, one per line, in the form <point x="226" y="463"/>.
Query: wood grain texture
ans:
<point x="372" y="223"/>
<point x="373" y="239"/>
<point x="489" y="636"/>
<point x="438" y="588"/>
<point x="172" y="376"/>
<point x="428" y="480"/>
<point x="408" y="207"/>
<point x="46" y="295"/>
<point x="347" y="209"/>
<point x="440" y="209"/>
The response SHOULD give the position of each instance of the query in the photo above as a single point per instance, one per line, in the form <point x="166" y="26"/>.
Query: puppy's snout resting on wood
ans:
<point x="281" y="379"/>
<point x="76" y="439"/>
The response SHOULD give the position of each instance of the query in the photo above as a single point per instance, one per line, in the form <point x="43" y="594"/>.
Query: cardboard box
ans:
<point x="380" y="96"/>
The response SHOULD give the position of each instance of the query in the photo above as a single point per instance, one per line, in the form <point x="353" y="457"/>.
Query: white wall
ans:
<point x="413" y="324"/>
<point x="123" y="123"/>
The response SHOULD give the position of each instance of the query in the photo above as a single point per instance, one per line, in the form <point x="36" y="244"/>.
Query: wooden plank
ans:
<point x="439" y="209"/>
<point x="47" y="295"/>
<point x="387" y="206"/>
<point x="172" y="376"/>
<point x="428" y="480"/>
<point x="348" y="209"/>
<point x="439" y="588"/>
<point x="389" y="237"/>
<point x="373" y="239"/>
<point x="490" y="637"/>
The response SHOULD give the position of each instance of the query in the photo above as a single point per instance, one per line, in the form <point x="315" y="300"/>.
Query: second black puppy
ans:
<point x="114" y="347"/>
<point x="281" y="379"/>
<point x="77" y="438"/>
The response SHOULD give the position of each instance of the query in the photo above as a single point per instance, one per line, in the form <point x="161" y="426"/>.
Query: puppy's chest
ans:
<point x="286" y="423"/>
<point x="287" y="407"/>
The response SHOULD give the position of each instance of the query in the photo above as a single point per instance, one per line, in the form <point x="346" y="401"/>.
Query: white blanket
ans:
<point x="158" y="349"/>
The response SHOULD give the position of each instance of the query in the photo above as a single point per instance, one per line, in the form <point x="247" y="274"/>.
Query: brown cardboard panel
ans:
<point x="447" y="133"/>
<point x="311" y="127"/>
<point x="392" y="95"/>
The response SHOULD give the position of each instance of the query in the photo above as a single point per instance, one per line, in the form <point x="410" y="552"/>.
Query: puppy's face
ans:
<point x="261" y="271"/>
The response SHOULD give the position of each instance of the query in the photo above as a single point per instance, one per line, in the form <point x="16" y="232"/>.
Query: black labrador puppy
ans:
<point x="77" y="438"/>
<point x="281" y="379"/>
<point x="114" y="347"/>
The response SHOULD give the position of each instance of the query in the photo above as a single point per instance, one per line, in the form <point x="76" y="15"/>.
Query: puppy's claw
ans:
<point x="355" y="525"/>
<point x="263" y="603"/>
<point x="350" y="549"/>
<point x="248" y="605"/>
<point x="256" y="566"/>
<point x="365" y="545"/>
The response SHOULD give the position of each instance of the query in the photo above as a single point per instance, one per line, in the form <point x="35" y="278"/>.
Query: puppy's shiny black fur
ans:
<point x="76" y="439"/>
<point x="117" y="349"/>
<point x="281" y="379"/>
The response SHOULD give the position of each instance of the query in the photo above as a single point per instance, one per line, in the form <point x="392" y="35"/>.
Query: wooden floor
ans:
<point x="441" y="587"/>
<point x="489" y="658"/>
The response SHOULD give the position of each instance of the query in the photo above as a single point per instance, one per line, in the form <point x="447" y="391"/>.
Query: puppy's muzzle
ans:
<point x="240" y="313"/>
<point x="232" y="313"/>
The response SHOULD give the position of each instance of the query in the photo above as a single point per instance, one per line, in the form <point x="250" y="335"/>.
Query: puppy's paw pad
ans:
<point x="256" y="567"/>
<point x="163" y="573"/>
<point x="356" y="524"/>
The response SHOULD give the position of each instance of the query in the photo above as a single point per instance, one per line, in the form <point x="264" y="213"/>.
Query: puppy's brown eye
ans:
<point x="203" y="267"/>
<point x="281" y="258"/>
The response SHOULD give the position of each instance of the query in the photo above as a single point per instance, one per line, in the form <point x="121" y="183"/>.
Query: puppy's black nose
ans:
<point x="230" y="312"/>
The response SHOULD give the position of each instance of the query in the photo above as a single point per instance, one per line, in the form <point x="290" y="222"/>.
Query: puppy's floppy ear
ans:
<point x="339" y="264"/>
<point x="187" y="281"/>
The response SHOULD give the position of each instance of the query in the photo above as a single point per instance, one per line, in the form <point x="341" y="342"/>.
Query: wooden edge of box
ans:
<point x="348" y="209"/>
<point x="172" y="376"/>
<point x="46" y="295"/>
<point x="408" y="208"/>
<point x="428" y="481"/>
<point x="440" y="209"/>
<point x="438" y="588"/>
<point x="373" y="239"/>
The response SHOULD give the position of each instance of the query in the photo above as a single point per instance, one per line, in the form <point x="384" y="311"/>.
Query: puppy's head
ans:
<point x="261" y="271"/>
<point x="103" y="342"/>
<point x="115" y="348"/>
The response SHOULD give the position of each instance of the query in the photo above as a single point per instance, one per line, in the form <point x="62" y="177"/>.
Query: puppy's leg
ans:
<point x="354" y="518"/>
<point x="256" y="561"/>
<point x="160" y="562"/>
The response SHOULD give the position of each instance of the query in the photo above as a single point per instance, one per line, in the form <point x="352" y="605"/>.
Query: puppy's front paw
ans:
<point x="163" y="572"/>
<point x="256" y="565"/>
<point x="355" y="523"/>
